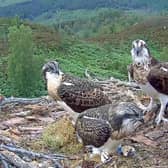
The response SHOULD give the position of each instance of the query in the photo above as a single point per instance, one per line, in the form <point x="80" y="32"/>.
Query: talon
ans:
<point x="159" y="119"/>
<point x="89" y="149"/>
<point x="165" y="120"/>
<point x="105" y="157"/>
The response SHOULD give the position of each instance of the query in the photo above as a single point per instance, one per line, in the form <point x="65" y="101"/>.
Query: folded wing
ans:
<point x="93" y="131"/>
<point x="158" y="77"/>
<point x="81" y="95"/>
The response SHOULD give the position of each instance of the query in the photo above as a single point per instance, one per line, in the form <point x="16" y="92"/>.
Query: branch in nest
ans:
<point x="5" y="164"/>
<point x="31" y="154"/>
<point x="90" y="77"/>
<point x="13" y="159"/>
<point x="24" y="101"/>
<point x="11" y="154"/>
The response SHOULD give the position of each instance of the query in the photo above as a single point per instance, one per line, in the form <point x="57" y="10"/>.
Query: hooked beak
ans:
<point x="138" y="50"/>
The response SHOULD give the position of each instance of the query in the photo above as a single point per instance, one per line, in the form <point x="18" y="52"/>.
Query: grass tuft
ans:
<point x="61" y="137"/>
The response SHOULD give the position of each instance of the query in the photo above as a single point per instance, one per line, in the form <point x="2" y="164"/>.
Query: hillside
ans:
<point x="4" y="3"/>
<point x="105" y="55"/>
<point x="32" y="9"/>
<point x="153" y="30"/>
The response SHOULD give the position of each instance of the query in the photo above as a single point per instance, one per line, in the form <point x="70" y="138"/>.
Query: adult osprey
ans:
<point x="151" y="75"/>
<point x="104" y="127"/>
<point x="79" y="94"/>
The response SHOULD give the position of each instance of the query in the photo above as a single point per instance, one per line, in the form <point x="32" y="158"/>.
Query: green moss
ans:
<point x="61" y="137"/>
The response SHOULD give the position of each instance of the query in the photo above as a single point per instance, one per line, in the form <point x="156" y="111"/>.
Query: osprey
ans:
<point x="151" y="75"/>
<point x="79" y="94"/>
<point x="104" y="127"/>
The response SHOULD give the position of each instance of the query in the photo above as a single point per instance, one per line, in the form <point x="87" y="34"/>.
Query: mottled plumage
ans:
<point x="102" y="125"/>
<point x="151" y="75"/>
<point x="79" y="94"/>
<point x="158" y="77"/>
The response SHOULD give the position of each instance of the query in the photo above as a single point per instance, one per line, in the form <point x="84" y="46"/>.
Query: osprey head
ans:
<point x="138" y="46"/>
<point x="51" y="68"/>
<point x="140" y="53"/>
<point x="128" y="118"/>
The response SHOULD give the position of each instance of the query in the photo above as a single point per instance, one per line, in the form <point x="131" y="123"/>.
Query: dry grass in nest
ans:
<point x="61" y="137"/>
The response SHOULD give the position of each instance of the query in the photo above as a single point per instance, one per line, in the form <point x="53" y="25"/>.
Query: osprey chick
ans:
<point x="104" y="127"/>
<point x="151" y="75"/>
<point x="79" y="94"/>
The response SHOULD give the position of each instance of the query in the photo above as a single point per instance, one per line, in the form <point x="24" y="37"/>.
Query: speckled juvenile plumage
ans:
<point x="79" y="94"/>
<point x="151" y="75"/>
<point x="82" y="94"/>
<point x="98" y="125"/>
<point x="158" y="77"/>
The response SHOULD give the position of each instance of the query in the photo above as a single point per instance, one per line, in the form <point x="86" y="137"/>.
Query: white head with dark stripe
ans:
<point x="52" y="72"/>
<point x="140" y="53"/>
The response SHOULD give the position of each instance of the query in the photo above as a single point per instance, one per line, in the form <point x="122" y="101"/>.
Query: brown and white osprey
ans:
<point x="151" y="75"/>
<point x="79" y="94"/>
<point x="103" y="128"/>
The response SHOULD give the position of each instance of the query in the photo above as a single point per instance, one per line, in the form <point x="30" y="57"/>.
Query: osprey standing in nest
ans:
<point x="151" y="75"/>
<point x="104" y="127"/>
<point x="79" y="94"/>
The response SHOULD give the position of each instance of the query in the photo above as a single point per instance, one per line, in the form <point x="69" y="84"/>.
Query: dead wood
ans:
<point x="5" y="164"/>
<point x="39" y="128"/>
<point x="31" y="154"/>
<point x="13" y="159"/>
<point x="6" y="140"/>
<point x="12" y="155"/>
<point x="23" y="101"/>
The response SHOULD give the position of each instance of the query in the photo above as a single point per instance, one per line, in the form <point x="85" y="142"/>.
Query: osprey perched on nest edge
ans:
<point x="151" y="75"/>
<point x="79" y="94"/>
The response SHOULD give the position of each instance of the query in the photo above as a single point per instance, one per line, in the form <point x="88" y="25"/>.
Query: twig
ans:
<point x="4" y="162"/>
<point x="24" y="129"/>
<point x="119" y="83"/>
<point x="15" y="160"/>
<point x="10" y="150"/>
<point x="103" y="164"/>
<point x="24" y="101"/>
<point x="22" y="113"/>
<point x="32" y="154"/>
<point x="6" y="140"/>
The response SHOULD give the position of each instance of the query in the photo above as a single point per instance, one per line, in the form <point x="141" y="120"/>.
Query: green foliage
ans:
<point x="60" y="137"/>
<point x="90" y="23"/>
<point x="31" y="9"/>
<point x="10" y="2"/>
<point x="22" y="66"/>
<point x="101" y="62"/>
<point x="105" y="55"/>
<point x="163" y="55"/>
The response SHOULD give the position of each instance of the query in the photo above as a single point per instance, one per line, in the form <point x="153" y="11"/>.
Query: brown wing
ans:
<point x="82" y="95"/>
<point x="158" y="77"/>
<point x="93" y="131"/>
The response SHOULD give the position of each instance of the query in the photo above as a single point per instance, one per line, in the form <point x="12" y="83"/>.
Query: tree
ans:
<point x="21" y="65"/>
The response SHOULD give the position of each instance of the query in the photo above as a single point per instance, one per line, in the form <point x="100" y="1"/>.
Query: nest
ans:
<point x="61" y="137"/>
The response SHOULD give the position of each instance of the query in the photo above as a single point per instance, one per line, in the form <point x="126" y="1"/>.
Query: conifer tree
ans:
<point x="21" y="66"/>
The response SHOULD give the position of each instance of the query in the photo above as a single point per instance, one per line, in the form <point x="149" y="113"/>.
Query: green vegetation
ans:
<point x="90" y="23"/>
<point x="103" y="47"/>
<point x="23" y="70"/>
<point x="10" y="2"/>
<point x="60" y="137"/>
<point x="35" y="8"/>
